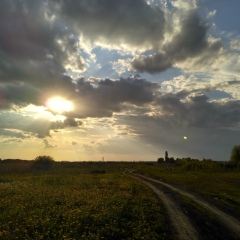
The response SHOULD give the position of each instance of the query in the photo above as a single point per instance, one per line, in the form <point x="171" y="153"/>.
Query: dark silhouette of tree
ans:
<point x="160" y="160"/>
<point x="43" y="162"/>
<point x="235" y="154"/>
<point x="171" y="160"/>
<point x="166" y="156"/>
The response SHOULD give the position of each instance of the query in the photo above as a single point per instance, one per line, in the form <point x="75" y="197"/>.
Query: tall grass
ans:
<point x="65" y="205"/>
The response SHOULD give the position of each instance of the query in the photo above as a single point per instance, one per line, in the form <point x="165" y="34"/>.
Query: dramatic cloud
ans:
<point x="153" y="64"/>
<point x="34" y="127"/>
<point x="212" y="127"/>
<point x="42" y="40"/>
<point x="35" y="49"/>
<point x="197" y="111"/>
<point x="209" y="84"/>
<point x="114" y="22"/>
<point x="71" y="122"/>
<point x="90" y="52"/>
<point x="108" y="96"/>
<point x="189" y="42"/>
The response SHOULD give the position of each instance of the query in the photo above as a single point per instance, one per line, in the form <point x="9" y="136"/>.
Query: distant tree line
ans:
<point x="188" y="163"/>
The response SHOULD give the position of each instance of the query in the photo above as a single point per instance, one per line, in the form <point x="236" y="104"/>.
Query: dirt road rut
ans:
<point x="186" y="221"/>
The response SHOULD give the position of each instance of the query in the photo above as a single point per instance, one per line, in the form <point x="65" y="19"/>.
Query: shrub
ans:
<point x="235" y="155"/>
<point x="160" y="160"/>
<point x="43" y="162"/>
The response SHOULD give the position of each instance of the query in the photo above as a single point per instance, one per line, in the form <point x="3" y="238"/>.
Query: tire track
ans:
<point x="230" y="222"/>
<point x="180" y="222"/>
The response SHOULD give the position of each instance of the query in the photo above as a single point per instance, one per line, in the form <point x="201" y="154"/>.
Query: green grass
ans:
<point x="72" y="204"/>
<point x="221" y="186"/>
<point x="97" y="200"/>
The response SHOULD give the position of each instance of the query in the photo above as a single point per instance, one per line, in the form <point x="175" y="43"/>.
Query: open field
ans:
<point x="103" y="201"/>
<point x="79" y="203"/>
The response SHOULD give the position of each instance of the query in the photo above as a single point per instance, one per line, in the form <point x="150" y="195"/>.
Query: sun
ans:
<point x="59" y="105"/>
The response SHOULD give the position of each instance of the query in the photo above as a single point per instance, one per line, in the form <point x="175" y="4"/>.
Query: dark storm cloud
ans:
<point x="191" y="39"/>
<point x="68" y="122"/>
<point x="29" y="34"/>
<point x="107" y="96"/>
<point x="71" y="122"/>
<point x="153" y="64"/>
<point x="190" y="42"/>
<point x="126" y="21"/>
<point x="18" y="94"/>
<point x="197" y="111"/>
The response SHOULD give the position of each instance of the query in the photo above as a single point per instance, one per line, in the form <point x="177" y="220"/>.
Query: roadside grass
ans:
<point x="80" y="205"/>
<point x="95" y="200"/>
<point x="211" y="225"/>
<point x="221" y="186"/>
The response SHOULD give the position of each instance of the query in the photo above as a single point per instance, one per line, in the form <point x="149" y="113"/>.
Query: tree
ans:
<point x="235" y="154"/>
<point x="171" y="160"/>
<point x="160" y="160"/>
<point x="43" y="162"/>
<point x="166" y="156"/>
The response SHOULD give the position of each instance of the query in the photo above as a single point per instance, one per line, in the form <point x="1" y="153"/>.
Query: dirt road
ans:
<point x="187" y="220"/>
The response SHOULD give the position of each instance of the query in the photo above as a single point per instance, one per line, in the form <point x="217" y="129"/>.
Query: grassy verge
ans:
<point x="79" y="206"/>
<point x="223" y="187"/>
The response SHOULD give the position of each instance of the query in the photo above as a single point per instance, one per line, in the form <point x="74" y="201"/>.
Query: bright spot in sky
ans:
<point x="185" y="137"/>
<point x="59" y="105"/>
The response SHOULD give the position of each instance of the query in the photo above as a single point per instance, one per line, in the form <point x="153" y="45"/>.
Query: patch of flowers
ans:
<point x="79" y="206"/>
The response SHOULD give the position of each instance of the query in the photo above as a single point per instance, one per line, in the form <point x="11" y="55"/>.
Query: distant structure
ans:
<point x="167" y="159"/>
<point x="103" y="159"/>
<point x="166" y="156"/>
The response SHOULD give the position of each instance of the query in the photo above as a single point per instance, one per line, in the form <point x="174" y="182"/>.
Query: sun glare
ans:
<point x="59" y="105"/>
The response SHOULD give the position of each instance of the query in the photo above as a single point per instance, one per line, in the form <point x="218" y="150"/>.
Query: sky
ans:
<point x="87" y="80"/>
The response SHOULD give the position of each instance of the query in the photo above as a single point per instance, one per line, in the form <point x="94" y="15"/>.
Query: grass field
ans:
<point x="79" y="203"/>
<point x="98" y="200"/>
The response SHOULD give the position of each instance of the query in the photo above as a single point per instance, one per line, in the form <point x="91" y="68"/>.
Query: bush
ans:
<point x="188" y="164"/>
<point x="235" y="155"/>
<point x="160" y="160"/>
<point x="43" y="162"/>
